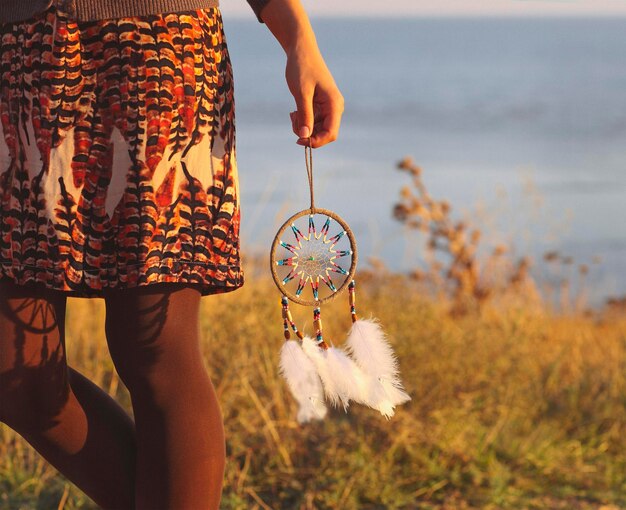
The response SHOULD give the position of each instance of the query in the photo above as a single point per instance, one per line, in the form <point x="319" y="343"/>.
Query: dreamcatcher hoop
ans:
<point x="274" y="260"/>
<point x="312" y="235"/>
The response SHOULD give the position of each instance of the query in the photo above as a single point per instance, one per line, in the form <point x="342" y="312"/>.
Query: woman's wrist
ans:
<point x="303" y="46"/>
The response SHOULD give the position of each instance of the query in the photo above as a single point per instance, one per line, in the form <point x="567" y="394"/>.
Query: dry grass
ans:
<point x="514" y="405"/>
<point x="511" y="409"/>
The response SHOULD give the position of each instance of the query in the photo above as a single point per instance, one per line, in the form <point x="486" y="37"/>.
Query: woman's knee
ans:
<point x="165" y="387"/>
<point x="32" y="398"/>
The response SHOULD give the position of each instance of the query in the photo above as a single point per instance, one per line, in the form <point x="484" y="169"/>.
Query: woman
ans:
<point x="118" y="180"/>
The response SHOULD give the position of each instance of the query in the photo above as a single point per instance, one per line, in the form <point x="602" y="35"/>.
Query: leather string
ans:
<point x="309" y="170"/>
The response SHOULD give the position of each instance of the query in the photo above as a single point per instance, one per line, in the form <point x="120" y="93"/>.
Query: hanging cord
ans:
<point x="309" y="170"/>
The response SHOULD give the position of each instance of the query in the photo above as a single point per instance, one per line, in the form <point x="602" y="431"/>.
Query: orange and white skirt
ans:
<point x="117" y="153"/>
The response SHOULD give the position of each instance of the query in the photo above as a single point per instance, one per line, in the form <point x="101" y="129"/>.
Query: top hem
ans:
<point x="88" y="10"/>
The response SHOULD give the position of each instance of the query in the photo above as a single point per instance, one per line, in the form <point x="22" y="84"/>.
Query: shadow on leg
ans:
<point x="33" y="374"/>
<point x="153" y="338"/>
<point x="71" y="422"/>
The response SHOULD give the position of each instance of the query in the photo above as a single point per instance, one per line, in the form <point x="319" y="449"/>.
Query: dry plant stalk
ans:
<point x="453" y="266"/>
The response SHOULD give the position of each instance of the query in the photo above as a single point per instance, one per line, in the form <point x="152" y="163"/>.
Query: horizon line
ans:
<point x="399" y="15"/>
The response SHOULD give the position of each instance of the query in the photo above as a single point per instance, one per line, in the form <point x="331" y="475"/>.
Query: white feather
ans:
<point x="352" y="383"/>
<point x="368" y="345"/>
<point x="320" y="360"/>
<point x="357" y="384"/>
<point x="395" y="392"/>
<point x="303" y="381"/>
<point x="379" y="398"/>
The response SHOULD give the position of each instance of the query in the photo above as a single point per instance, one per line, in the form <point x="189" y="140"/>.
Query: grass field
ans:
<point x="513" y="407"/>
<point x="515" y="404"/>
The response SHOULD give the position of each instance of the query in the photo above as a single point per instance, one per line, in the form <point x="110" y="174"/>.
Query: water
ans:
<point x="482" y="105"/>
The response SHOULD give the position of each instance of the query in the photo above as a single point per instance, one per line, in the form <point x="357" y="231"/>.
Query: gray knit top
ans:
<point x="91" y="10"/>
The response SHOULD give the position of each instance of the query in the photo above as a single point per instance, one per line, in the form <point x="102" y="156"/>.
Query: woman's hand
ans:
<point x="318" y="100"/>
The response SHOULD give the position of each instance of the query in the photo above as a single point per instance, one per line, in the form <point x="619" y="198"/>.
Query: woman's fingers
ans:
<point x="330" y="123"/>
<point x="317" y="121"/>
<point x="327" y="112"/>
<point x="304" y="114"/>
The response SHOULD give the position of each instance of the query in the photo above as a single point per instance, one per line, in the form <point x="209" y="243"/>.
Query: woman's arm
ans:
<point x="318" y="100"/>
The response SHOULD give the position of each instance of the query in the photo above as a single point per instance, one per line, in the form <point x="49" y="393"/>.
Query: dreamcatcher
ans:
<point x="313" y="259"/>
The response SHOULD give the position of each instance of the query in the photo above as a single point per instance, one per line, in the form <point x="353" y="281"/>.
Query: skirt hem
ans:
<point x="225" y="278"/>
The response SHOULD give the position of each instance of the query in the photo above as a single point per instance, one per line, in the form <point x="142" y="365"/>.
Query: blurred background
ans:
<point x="495" y="100"/>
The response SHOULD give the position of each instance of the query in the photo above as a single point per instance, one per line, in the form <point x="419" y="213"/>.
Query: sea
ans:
<point x="520" y="124"/>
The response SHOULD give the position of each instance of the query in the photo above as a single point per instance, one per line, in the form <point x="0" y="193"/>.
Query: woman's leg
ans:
<point x="69" y="420"/>
<point x="153" y="337"/>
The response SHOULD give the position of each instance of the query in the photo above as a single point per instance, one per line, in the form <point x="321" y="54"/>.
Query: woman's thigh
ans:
<point x="152" y="334"/>
<point x="34" y="380"/>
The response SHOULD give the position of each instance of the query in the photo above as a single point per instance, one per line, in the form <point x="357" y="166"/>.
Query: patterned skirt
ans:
<point x="117" y="153"/>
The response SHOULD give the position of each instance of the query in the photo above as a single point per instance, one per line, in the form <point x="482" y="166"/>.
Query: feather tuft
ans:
<point x="351" y="381"/>
<point x="320" y="360"/>
<point x="379" y="399"/>
<point x="303" y="381"/>
<point x="368" y="345"/>
<point x="357" y="384"/>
